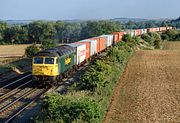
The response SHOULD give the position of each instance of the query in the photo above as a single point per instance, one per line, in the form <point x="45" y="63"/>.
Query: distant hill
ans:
<point x="122" y="20"/>
<point x="176" y="21"/>
<point x="125" y="20"/>
<point x="20" y="22"/>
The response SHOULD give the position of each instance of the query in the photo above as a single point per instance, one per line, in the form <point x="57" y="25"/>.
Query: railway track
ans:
<point x="14" y="82"/>
<point x="16" y="96"/>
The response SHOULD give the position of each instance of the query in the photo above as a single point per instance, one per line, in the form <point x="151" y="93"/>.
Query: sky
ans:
<point x="87" y="9"/>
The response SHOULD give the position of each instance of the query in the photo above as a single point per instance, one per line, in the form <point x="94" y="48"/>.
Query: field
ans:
<point x="12" y="49"/>
<point x="13" y="53"/>
<point x="149" y="89"/>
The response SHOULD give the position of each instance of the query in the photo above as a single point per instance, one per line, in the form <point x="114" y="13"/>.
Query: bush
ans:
<point x="147" y="38"/>
<point x="152" y="38"/>
<point x="32" y="50"/>
<point x="156" y="38"/>
<point x="120" y="52"/>
<point x="164" y="36"/>
<point x="69" y="109"/>
<point x="95" y="77"/>
<point x="172" y="34"/>
<point x="126" y="38"/>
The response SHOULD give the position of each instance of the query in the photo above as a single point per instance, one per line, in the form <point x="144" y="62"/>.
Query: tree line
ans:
<point x="147" y="24"/>
<point x="57" y="32"/>
<point x="48" y="32"/>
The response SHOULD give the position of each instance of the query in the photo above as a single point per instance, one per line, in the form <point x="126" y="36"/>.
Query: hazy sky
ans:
<point x="88" y="9"/>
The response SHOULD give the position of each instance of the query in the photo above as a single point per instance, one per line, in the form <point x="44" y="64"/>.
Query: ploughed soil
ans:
<point x="149" y="89"/>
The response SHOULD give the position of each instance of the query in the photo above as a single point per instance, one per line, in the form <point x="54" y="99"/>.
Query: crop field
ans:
<point x="12" y="49"/>
<point x="10" y="53"/>
<point x="149" y="89"/>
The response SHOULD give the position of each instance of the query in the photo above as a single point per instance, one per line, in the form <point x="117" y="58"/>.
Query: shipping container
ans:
<point x="162" y="29"/>
<point x="101" y="41"/>
<point x="87" y="48"/>
<point x="116" y="37"/>
<point x="80" y="50"/>
<point x="143" y="31"/>
<point x="93" y="46"/>
<point x="137" y="32"/>
<point x="150" y="30"/>
<point x="109" y="40"/>
<point x="121" y="34"/>
<point x="157" y="29"/>
<point x="131" y="33"/>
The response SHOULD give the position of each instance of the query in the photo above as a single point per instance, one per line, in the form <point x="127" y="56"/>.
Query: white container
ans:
<point x="132" y="33"/>
<point x="157" y="29"/>
<point x="80" y="52"/>
<point x="109" y="40"/>
<point x="145" y="31"/>
<point x="93" y="46"/>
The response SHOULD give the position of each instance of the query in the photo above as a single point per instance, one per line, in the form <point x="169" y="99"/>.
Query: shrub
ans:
<point x="95" y="77"/>
<point x="164" y="36"/>
<point x="147" y="38"/>
<point x="118" y="55"/>
<point x="172" y="34"/>
<point x="124" y="46"/>
<point x="156" y="39"/>
<point x="69" y="109"/>
<point x="126" y="38"/>
<point x="32" y="50"/>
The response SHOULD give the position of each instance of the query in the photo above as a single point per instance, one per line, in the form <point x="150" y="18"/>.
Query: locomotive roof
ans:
<point x="57" y="51"/>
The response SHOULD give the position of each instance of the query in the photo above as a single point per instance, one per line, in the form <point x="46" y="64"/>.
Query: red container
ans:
<point x="137" y="32"/>
<point x="150" y="30"/>
<point x="121" y="34"/>
<point x="116" y="37"/>
<point x="87" y="48"/>
<point x="157" y="29"/>
<point x="101" y="45"/>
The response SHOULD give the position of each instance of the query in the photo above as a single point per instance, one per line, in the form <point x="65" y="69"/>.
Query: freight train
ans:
<point x="51" y="65"/>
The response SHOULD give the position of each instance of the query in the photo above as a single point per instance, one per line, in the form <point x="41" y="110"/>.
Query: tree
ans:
<point x="164" y="24"/>
<point x="173" y="34"/>
<point x="32" y="50"/>
<point x="16" y="34"/>
<point x="71" y="32"/>
<point x="59" y="26"/>
<point x="35" y="30"/>
<point x="48" y="43"/>
<point x="40" y="30"/>
<point x="49" y="31"/>
<point x="96" y="28"/>
<point x="68" y="32"/>
<point x="3" y="27"/>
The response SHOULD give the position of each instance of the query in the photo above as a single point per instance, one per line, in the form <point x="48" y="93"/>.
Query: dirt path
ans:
<point x="149" y="89"/>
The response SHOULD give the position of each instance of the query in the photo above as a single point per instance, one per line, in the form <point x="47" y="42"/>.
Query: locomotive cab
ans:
<point x="45" y="68"/>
